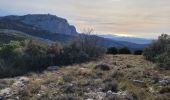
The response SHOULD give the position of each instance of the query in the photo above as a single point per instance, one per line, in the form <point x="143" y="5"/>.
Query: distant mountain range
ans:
<point x="128" y="39"/>
<point x="50" y="28"/>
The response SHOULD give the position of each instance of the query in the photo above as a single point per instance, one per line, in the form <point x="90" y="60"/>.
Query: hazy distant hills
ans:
<point x="50" y="28"/>
<point x="128" y="39"/>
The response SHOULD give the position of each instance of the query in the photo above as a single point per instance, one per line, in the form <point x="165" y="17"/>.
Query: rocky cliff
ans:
<point x="45" y="22"/>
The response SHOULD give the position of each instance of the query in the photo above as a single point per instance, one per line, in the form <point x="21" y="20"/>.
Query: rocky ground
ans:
<point x="118" y="77"/>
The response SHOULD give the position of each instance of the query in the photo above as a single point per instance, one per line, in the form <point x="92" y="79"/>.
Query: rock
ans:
<point x="103" y="67"/>
<point x="89" y="99"/>
<point x="124" y="95"/>
<point x="5" y="91"/>
<point x="109" y="92"/>
<point x="151" y="90"/>
<point x="138" y="81"/>
<point x="164" y="81"/>
<point x="53" y="68"/>
<point x="50" y="23"/>
<point x="46" y="22"/>
<point x="96" y="95"/>
<point x="127" y="95"/>
<point x="23" y="79"/>
<point x="17" y="84"/>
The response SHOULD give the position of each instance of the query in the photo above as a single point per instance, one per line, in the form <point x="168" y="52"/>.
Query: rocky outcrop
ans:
<point x="124" y="95"/>
<point x="53" y="68"/>
<point x="46" y="22"/>
<point x="18" y="86"/>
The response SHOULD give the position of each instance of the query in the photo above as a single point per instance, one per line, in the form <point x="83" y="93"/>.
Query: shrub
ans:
<point x="138" y="52"/>
<point x="124" y="50"/>
<point x="165" y="90"/>
<point x="159" y="51"/>
<point x="112" y="50"/>
<point x="84" y="48"/>
<point x="18" y="58"/>
<point x="110" y="85"/>
<point x="103" y="67"/>
<point x="35" y="58"/>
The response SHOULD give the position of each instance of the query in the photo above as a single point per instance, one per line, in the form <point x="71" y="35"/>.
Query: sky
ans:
<point x="136" y="18"/>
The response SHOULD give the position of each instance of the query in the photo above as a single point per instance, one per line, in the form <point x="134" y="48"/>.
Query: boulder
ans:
<point x="103" y="67"/>
<point x="164" y="81"/>
<point x="138" y="81"/>
<point x="23" y="79"/>
<point x="5" y="91"/>
<point x="53" y="68"/>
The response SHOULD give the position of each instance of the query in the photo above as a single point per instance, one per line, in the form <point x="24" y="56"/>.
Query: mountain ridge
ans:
<point x="136" y="40"/>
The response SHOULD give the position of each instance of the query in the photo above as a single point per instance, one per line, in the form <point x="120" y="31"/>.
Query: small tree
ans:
<point x="112" y="50"/>
<point x="124" y="50"/>
<point x="138" y="52"/>
<point x="84" y="48"/>
<point x="36" y="56"/>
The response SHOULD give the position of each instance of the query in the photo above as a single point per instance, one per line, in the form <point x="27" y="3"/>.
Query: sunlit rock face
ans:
<point x="47" y="22"/>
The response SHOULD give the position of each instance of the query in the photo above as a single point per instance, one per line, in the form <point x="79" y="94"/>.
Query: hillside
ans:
<point x="11" y="35"/>
<point x="127" y="77"/>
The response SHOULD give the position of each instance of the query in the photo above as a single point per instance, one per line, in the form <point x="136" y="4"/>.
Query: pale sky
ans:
<point x="139" y="18"/>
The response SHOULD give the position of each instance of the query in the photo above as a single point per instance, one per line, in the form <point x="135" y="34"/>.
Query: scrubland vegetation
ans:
<point x="86" y="72"/>
<point x="159" y="51"/>
<point x="17" y="58"/>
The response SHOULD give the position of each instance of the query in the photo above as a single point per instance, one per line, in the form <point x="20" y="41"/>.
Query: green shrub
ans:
<point x="112" y="50"/>
<point x="124" y="50"/>
<point x="159" y="51"/>
<point x="35" y="56"/>
<point x="18" y="58"/>
<point x="165" y="90"/>
<point x="138" y="52"/>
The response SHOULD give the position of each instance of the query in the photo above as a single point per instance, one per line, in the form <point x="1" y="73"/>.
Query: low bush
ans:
<point x="112" y="50"/>
<point x="124" y="50"/>
<point x="138" y="52"/>
<point x="110" y="85"/>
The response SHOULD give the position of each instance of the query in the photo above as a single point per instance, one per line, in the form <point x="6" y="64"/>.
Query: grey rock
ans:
<point x="138" y="81"/>
<point x="164" y="81"/>
<point x="53" y="68"/>
<point x="46" y="22"/>
<point x="5" y="91"/>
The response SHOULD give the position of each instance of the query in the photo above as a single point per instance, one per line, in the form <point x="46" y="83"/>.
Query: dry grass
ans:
<point x="72" y="82"/>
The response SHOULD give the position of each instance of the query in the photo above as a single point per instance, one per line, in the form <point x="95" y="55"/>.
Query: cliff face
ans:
<point x="46" y="22"/>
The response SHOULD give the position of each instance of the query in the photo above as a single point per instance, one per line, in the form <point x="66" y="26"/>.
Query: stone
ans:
<point x="53" y="68"/>
<point x="5" y="91"/>
<point x="24" y="79"/>
<point x="164" y="81"/>
<point x="138" y="81"/>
